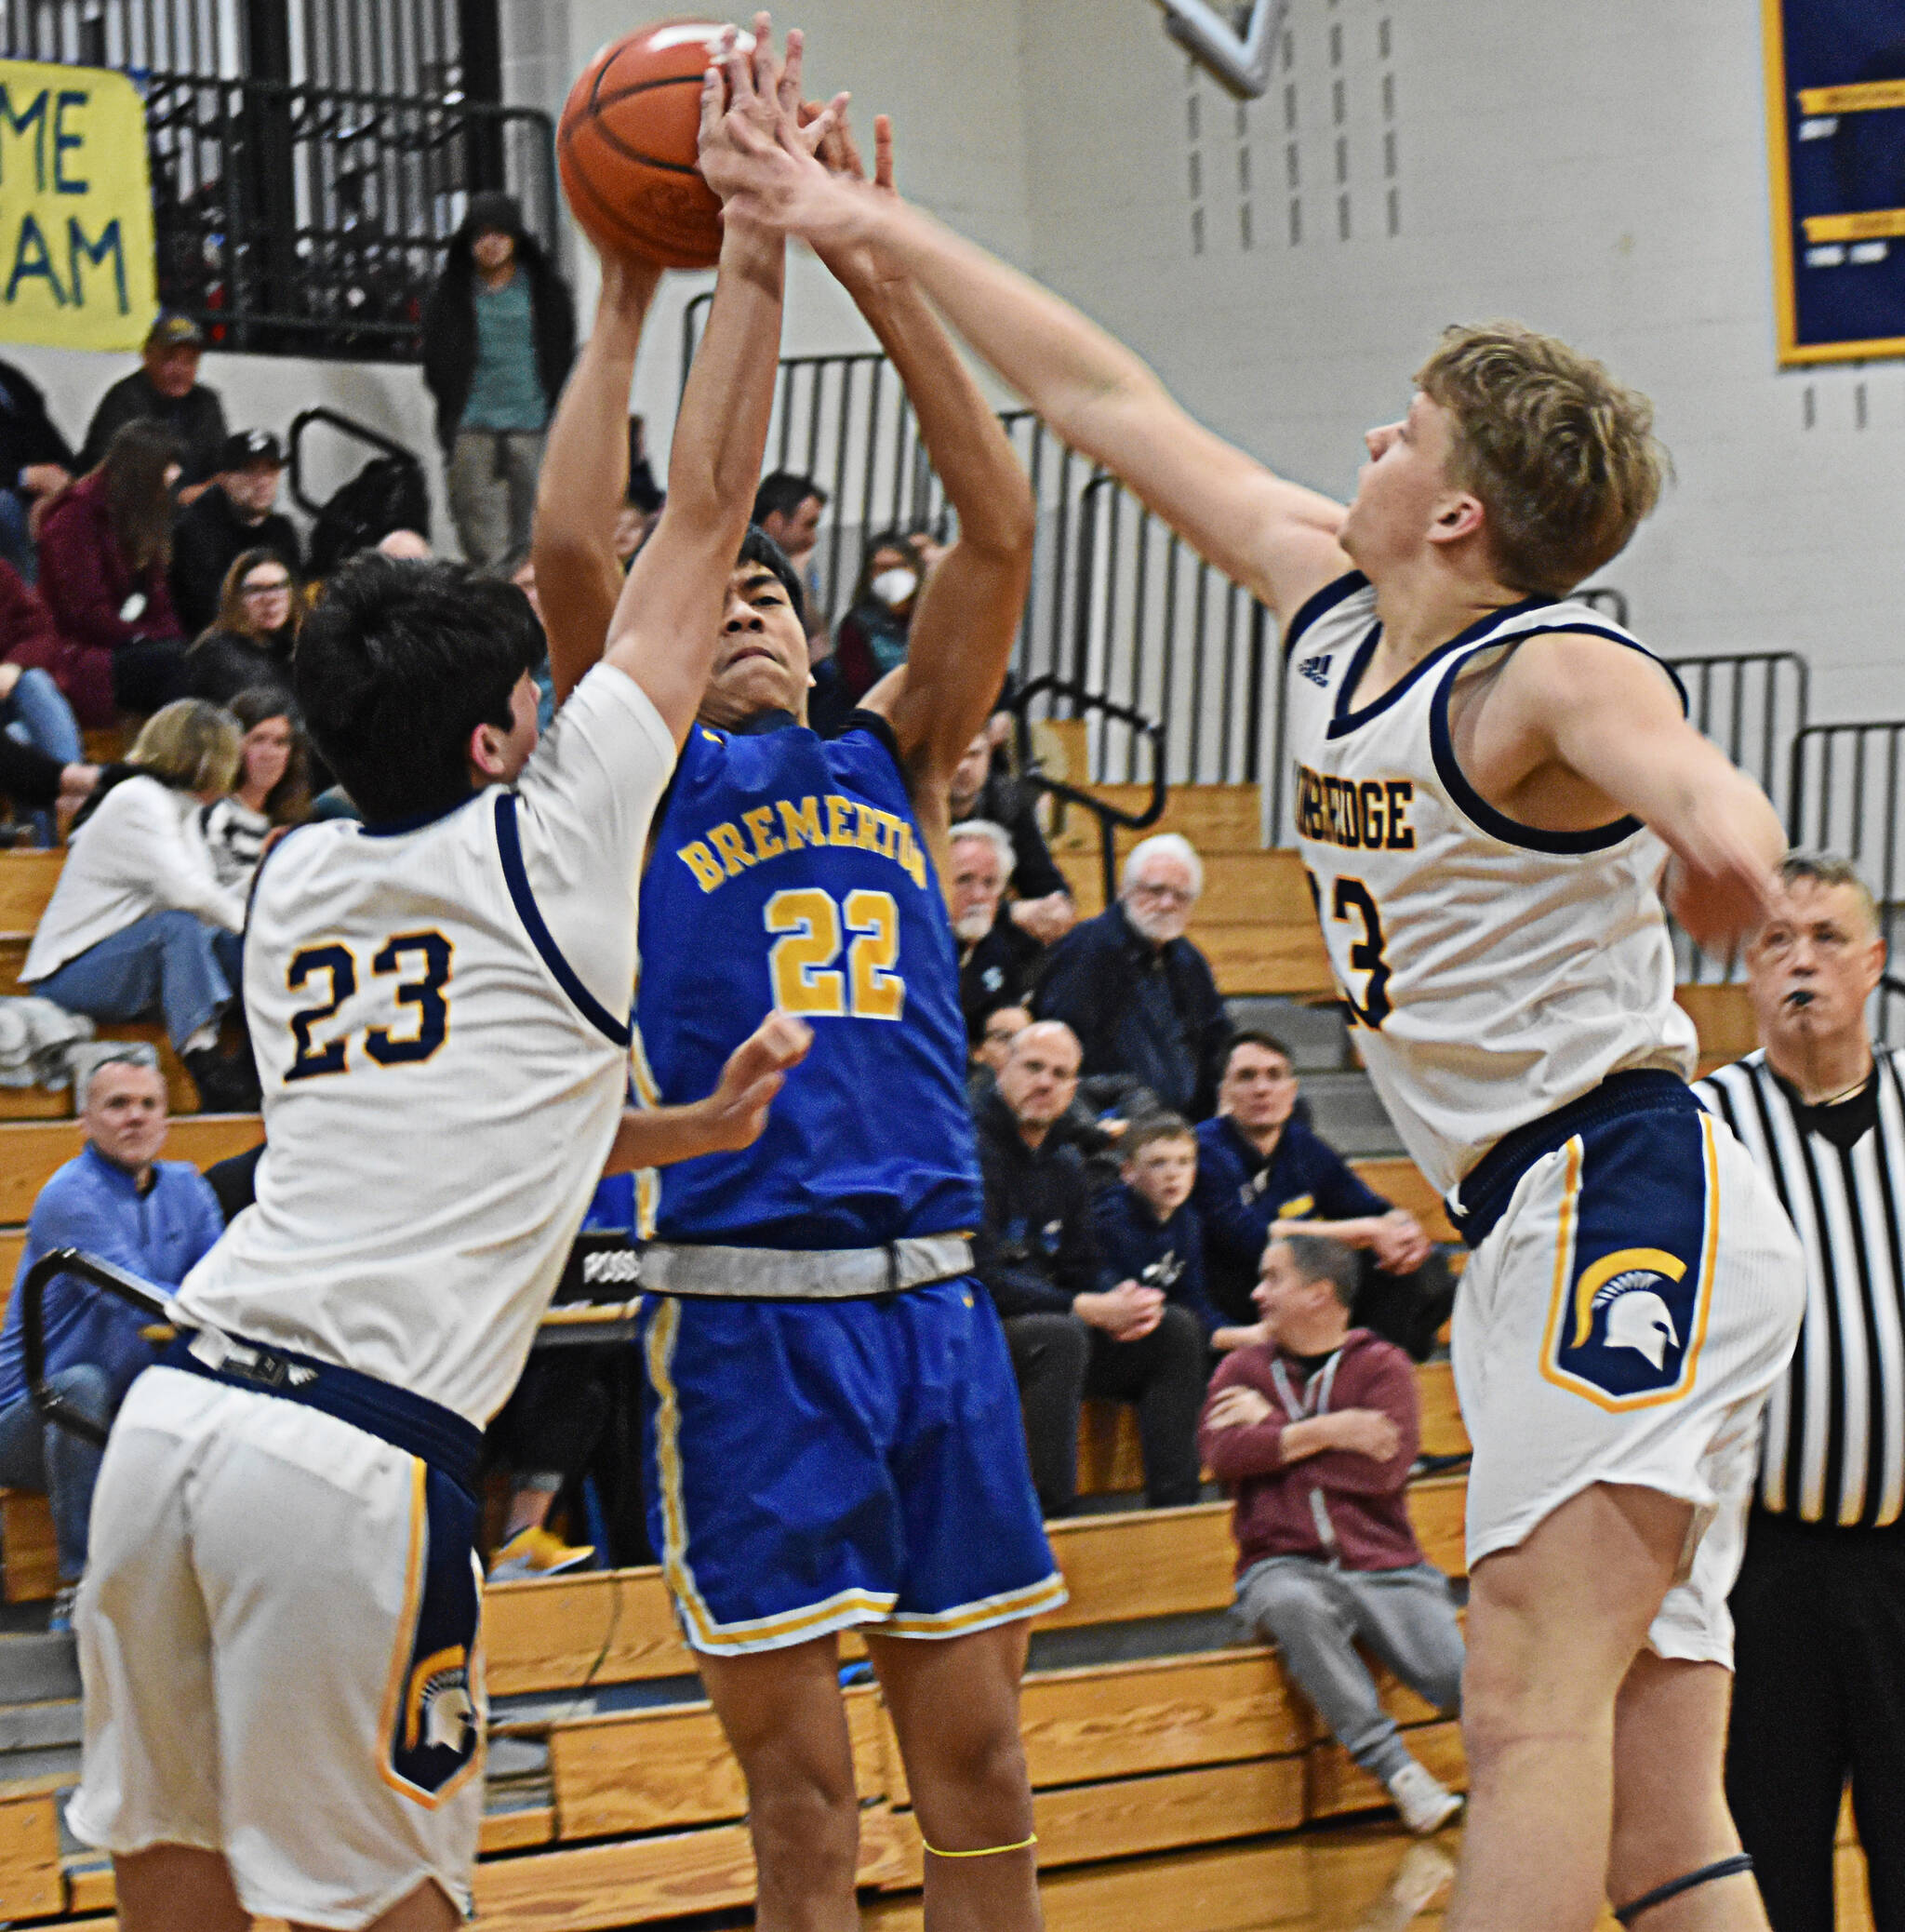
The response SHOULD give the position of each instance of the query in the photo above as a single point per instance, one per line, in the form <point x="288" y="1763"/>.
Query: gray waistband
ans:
<point x="802" y="1274"/>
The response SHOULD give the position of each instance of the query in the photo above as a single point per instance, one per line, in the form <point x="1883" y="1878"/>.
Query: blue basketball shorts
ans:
<point x="1622" y="1323"/>
<point x="814" y="1465"/>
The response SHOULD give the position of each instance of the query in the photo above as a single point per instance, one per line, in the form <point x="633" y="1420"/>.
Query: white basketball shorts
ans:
<point x="1622" y="1323"/>
<point x="258" y="1591"/>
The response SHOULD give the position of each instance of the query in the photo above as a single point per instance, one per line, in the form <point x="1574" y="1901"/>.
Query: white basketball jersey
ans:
<point x="439" y="1016"/>
<point x="1495" y="971"/>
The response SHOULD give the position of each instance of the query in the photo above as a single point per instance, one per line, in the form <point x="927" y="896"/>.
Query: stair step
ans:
<point x="37" y="1668"/>
<point x="39" y="1727"/>
<point x="1318" y="1036"/>
<point x="1344" y="1109"/>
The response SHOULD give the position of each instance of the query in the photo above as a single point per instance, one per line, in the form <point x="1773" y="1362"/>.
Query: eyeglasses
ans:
<point x="267" y="589"/>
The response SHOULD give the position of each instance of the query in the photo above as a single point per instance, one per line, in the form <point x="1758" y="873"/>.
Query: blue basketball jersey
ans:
<point x="788" y="872"/>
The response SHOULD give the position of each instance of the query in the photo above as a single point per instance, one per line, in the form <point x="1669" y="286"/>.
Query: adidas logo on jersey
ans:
<point x="1315" y="669"/>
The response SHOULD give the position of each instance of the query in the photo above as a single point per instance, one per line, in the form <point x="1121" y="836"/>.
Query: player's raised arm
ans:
<point x="1607" y="715"/>
<point x="1277" y="536"/>
<point x="668" y="621"/>
<point x="968" y="613"/>
<point x="585" y="477"/>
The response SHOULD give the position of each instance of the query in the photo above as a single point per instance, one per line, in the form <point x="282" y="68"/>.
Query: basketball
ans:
<point x="625" y="145"/>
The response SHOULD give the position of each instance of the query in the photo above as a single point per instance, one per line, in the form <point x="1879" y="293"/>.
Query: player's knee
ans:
<point x="975" y="1790"/>
<point x="805" y="1824"/>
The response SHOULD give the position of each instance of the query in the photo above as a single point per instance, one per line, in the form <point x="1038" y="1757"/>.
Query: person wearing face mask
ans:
<point x="498" y="335"/>
<point x="998" y="960"/>
<point x="238" y="513"/>
<point x="874" y="634"/>
<point x="250" y="644"/>
<point x="1138" y="994"/>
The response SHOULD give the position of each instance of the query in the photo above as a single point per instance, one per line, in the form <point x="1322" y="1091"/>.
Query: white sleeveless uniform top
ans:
<point x="1495" y="971"/>
<point x="440" y="1017"/>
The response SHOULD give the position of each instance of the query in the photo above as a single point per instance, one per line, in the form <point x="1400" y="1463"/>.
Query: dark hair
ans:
<point x="397" y="665"/>
<point x="1317" y="1258"/>
<point x="782" y="493"/>
<point x="757" y="547"/>
<point x="231" y="614"/>
<point x="1149" y="1127"/>
<point x="288" y="802"/>
<point x="1266" y="1043"/>
<point x="137" y="503"/>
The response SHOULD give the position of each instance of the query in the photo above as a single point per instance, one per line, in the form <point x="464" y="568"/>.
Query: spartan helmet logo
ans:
<point x="448" y="1717"/>
<point x="1637" y="1318"/>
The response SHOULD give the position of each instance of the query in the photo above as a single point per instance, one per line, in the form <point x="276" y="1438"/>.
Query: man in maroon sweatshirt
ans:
<point x="1315" y="1428"/>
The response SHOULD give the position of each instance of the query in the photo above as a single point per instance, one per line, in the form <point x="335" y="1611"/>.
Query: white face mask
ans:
<point x="894" y="586"/>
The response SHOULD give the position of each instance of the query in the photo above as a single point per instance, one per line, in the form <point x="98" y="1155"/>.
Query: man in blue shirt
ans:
<point x="118" y="1201"/>
<point x="1260" y="1168"/>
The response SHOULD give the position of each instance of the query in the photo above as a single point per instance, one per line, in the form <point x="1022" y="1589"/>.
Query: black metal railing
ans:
<point x="302" y="220"/>
<point x="1111" y="819"/>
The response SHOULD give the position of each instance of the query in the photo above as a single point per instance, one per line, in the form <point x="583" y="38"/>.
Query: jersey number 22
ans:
<point x="800" y="962"/>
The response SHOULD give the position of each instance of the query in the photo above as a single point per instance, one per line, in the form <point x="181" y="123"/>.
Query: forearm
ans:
<point x="1250" y="1449"/>
<point x="584" y="478"/>
<point x="657" y="1137"/>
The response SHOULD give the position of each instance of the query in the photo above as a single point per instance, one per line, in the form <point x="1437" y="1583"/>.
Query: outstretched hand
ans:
<point x="737" y="1109"/>
<point x="751" y="117"/>
<point x="855" y="261"/>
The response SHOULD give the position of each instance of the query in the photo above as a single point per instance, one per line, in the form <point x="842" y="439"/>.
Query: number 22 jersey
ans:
<point x="1495" y="971"/>
<point x="788" y="872"/>
<point x="440" y="1016"/>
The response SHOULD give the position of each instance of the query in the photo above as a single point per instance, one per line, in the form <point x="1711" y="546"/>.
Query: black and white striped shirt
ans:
<point x="1835" y="1443"/>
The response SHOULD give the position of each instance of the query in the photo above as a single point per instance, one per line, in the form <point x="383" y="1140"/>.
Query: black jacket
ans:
<point x="1000" y="970"/>
<point x="197" y="419"/>
<point x="27" y="433"/>
<point x="449" y="327"/>
<point x="223" y="664"/>
<point x="1148" y="1011"/>
<point x="207" y="539"/>
<point x="1034" y="1249"/>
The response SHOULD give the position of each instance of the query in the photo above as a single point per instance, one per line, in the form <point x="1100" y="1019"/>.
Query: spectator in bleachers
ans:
<point x="872" y="638"/>
<point x="36" y="462"/>
<point x="998" y="960"/>
<point x="137" y="920"/>
<point x="34" y="713"/>
<point x="1263" y="1170"/>
<point x="1042" y="903"/>
<point x="1316" y="1428"/>
<point x="105" y="551"/>
<point x="997" y="1032"/>
<point x="1146" y="1227"/>
<point x="273" y="787"/>
<point x="1138" y="994"/>
<point x="406" y="547"/>
<point x="498" y="335"/>
<point x="238" y="516"/>
<point x="787" y="507"/>
<point x="119" y="1202"/>
<point x="164" y="389"/>
<point x="1073" y="1329"/>
<point x="254" y="628"/>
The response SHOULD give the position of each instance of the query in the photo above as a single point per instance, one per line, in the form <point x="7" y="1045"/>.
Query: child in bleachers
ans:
<point x="1146" y="1228"/>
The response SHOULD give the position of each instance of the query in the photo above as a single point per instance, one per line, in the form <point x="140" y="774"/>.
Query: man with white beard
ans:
<point x="1137" y="993"/>
<point x="999" y="961"/>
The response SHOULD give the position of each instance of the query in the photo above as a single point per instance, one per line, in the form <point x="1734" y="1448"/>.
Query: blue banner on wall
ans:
<point x="1836" y="113"/>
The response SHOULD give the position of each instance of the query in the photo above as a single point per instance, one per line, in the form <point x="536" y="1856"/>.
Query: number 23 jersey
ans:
<point x="788" y="872"/>
<point x="439" y="1016"/>
<point x="1495" y="971"/>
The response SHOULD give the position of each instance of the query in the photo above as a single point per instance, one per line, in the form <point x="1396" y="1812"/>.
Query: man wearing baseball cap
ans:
<point x="165" y="385"/>
<point x="239" y="513"/>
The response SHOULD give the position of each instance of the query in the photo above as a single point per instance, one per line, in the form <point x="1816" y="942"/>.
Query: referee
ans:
<point x="1820" y="1606"/>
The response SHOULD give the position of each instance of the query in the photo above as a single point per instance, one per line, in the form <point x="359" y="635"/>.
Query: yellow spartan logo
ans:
<point x="447" y="1701"/>
<point x="1652" y="1260"/>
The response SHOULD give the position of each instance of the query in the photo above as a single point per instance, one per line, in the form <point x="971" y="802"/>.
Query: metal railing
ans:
<point x="1846" y="798"/>
<point x="295" y="220"/>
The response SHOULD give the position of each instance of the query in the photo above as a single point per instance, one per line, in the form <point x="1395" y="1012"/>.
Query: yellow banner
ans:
<point x="75" y="209"/>
<point x="1855" y="97"/>
<point x="1872" y="224"/>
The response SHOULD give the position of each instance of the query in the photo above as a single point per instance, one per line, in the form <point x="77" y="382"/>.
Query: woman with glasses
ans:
<point x="250" y="643"/>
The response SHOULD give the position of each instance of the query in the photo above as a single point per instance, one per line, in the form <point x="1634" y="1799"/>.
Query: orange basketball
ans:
<point x="626" y="145"/>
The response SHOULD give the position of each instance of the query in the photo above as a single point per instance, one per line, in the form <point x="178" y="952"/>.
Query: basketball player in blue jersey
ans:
<point x="833" y="1427"/>
<point x="278" y="1625"/>
<point x="1490" y="780"/>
